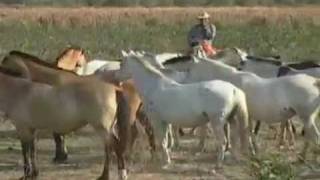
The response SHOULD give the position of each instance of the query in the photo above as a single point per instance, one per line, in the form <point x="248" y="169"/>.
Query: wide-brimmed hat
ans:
<point x="204" y="15"/>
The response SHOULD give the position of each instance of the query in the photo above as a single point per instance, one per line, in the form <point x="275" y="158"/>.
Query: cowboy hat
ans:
<point x="204" y="15"/>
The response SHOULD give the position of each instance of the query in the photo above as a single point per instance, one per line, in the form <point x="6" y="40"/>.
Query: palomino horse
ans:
<point x="282" y="97"/>
<point x="105" y="70"/>
<point x="94" y="103"/>
<point x="71" y="58"/>
<point x="216" y="102"/>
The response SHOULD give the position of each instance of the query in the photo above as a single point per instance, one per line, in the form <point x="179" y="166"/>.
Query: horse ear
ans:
<point x="195" y="59"/>
<point x="241" y="53"/>
<point x="131" y="52"/>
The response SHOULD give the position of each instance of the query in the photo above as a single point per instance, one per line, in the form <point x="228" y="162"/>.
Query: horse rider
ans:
<point x="202" y="34"/>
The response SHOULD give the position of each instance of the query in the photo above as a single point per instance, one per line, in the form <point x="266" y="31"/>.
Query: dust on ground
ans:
<point x="86" y="158"/>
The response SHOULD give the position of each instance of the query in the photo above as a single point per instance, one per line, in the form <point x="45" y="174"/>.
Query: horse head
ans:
<point x="71" y="58"/>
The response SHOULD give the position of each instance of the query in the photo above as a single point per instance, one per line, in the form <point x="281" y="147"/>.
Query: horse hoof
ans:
<point x="27" y="178"/>
<point x="102" y="178"/>
<point x="123" y="175"/>
<point x="60" y="159"/>
<point x="166" y="166"/>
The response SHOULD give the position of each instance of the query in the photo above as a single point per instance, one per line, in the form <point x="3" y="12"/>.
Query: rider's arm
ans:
<point x="210" y="32"/>
<point x="193" y="36"/>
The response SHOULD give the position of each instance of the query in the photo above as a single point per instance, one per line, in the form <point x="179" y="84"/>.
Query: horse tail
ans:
<point x="123" y="121"/>
<point x="242" y="116"/>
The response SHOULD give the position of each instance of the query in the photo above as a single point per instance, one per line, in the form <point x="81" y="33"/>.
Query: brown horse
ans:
<point x="94" y="103"/>
<point x="66" y="60"/>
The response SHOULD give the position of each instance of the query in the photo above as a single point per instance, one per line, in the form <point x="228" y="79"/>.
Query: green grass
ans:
<point x="293" y="41"/>
<point x="273" y="167"/>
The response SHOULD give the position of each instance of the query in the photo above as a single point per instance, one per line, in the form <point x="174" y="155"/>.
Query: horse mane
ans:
<point x="148" y="66"/>
<point x="9" y="72"/>
<point x="32" y="58"/>
<point x="304" y="65"/>
<point x="266" y="60"/>
<point x="65" y="51"/>
<point x="220" y="64"/>
<point x="177" y="60"/>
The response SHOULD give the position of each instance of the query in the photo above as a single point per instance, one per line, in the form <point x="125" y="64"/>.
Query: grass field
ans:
<point x="292" y="33"/>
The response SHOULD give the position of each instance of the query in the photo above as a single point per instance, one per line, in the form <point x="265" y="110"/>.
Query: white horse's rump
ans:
<point x="168" y="102"/>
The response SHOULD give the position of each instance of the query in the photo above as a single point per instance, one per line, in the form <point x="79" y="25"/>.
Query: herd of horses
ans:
<point x="165" y="93"/>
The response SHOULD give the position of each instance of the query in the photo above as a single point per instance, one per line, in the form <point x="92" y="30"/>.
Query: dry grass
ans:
<point x="92" y="16"/>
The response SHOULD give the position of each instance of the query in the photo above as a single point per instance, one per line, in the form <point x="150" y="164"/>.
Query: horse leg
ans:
<point x="144" y="121"/>
<point x="181" y="132"/>
<point x="192" y="131"/>
<point x="173" y="137"/>
<point x="283" y="126"/>
<point x="27" y="138"/>
<point x="253" y="142"/>
<point x="234" y="138"/>
<point x="161" y="133"/>
<point x="291" y="134"/>
<point x="203" y="135"/>
<point x="27" y="166"/>
<point x="219" y="134"/>
<point x="33" y="154"/>
<point x="134" y="135"/>
<point x="217" y="126"/>
<point x="120" y="152"/>
<point x="257" y="128"/>
<point x="105" y="173"/>
<point x="312" y="133"/>
<point x="164" y="139"/>
<point x="61" y="149"/>
<point x="226" y="129"/>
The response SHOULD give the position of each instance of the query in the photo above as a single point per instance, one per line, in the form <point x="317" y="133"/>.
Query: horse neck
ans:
<point x="44" y="74"/>
<point x="263" y="69"/>
<point x="146" y="81"/>
<point x="210" y="70"/>
<point x="161" y="58"/>
<point x="180" y="66"/>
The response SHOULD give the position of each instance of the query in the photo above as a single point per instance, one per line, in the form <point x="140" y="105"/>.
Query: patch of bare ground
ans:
<point x="86" y="156"/>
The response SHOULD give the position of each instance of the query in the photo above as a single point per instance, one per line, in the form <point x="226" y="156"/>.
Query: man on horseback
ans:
<point x="201" y="35"/>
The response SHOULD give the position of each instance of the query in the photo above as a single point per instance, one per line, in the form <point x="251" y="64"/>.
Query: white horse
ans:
<point x="168" y="102"/>
<point x="98" y="65"/>
<point x="95" y="65"/>
<point x="269" y="67"/>
<point x="269" y="100"/>
<point x="266" y="67"/>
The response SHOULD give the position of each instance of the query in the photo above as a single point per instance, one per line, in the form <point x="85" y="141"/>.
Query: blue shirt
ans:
<point x="199" y="33"/>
